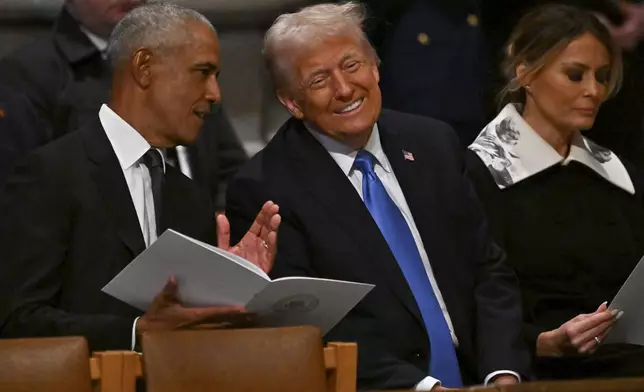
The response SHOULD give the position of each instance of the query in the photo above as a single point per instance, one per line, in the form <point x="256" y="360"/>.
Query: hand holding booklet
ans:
<point x="209" y="276"/>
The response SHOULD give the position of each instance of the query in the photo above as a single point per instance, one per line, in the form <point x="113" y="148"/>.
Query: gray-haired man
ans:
<point x="81" y="208"/>
<point x="378" y="196"/>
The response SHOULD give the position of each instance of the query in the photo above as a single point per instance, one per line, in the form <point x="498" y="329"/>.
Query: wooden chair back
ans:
<point x="249" y="360"/>
<point x="44" y="364"/>
<point x="117" y="371"/>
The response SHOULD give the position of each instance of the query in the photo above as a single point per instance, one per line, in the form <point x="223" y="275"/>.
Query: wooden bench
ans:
<point x="117" y="371"/>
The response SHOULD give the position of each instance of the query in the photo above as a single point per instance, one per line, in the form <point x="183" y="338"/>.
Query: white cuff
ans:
<point x="134" y="334"/>
<point x="427" y="383"/>
<point x="501" y="372"/>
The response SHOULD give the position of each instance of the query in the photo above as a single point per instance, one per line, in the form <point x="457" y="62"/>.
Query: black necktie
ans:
<point x="154" y="161"/>
<point x="172" y="157"/>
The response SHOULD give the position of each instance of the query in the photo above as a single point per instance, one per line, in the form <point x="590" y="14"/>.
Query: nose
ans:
<point x="213" y="91"/>
<point x="593" y="89"/>
<point x="343" y="88"/>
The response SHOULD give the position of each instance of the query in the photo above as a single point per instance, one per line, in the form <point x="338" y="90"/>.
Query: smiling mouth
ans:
<point x="200" y="114"/>
<point x="355" y="105"/>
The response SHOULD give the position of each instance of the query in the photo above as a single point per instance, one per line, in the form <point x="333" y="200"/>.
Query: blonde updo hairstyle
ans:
<point x="541" y="35"/>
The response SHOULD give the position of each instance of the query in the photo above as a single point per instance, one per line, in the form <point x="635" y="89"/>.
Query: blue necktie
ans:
<point x="443" y="364"/>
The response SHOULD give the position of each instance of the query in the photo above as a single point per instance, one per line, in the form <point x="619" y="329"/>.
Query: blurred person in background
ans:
<point x="21" y="130"/>
<point x="433" y="60"/>
<point x="66" y="77"/>
<point x="568" y="211"/>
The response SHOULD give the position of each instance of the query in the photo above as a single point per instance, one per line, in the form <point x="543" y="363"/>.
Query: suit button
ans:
<point x="423" y="39"/>
<point x="472" y="20"/>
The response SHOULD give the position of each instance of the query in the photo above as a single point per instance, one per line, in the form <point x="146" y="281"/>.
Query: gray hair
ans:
<point x="308" y="26"/>
<point x="155" y="26"/>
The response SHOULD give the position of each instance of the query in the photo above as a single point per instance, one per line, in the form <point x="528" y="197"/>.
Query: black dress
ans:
<point x="573" y="238"/>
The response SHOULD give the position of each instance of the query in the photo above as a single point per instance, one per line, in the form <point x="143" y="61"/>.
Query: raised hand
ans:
<point x="259" y="245"/>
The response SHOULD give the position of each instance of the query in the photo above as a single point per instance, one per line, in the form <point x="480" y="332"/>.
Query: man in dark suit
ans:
<point x="66" y="77"/>
<point x="380" y="197"/>
<point x="82" y="207"/>
<point x="21" y="130"/>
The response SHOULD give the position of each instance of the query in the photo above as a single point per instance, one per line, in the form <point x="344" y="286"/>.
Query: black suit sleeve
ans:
<point x="376" y="366"/>
<point x="35" y="228"/>
<point x="490" y="196"/>
<point x="230" y="155"/>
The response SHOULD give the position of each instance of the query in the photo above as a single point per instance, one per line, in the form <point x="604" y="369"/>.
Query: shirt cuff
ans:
<point x="499" y="373"/>
<point x="134" y="334"/>
<point x="427" y="383"/>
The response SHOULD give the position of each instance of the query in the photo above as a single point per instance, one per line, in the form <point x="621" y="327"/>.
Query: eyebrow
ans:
<point x="583" y="66"/>
<point x="348" y="56"/>
<point x="209" y="66"/>
<point x="321" y="71"/>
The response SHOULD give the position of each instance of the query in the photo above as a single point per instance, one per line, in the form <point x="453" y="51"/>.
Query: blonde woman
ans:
<point x="568" y="212"/>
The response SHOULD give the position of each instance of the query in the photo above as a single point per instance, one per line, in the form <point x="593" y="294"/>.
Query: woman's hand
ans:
<point x="580" y="335"/>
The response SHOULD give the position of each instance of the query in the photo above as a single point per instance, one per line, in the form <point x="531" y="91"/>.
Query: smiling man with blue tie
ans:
<point x="377" y="196"/>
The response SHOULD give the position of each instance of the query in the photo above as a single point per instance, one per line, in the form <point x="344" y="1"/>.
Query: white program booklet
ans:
<point x="209" y="276"/>
<point x="630" y="298"/>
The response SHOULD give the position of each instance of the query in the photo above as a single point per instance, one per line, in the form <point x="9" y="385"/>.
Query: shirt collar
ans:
<point x="100" y="43"/>
<point x="344" y="155"/>
<point x="128" y="144"/>
<point x="513" y="151"/>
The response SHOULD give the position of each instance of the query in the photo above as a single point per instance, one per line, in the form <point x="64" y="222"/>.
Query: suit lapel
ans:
<point x="420" y="186"/>
<point x="328" y="184"/>
<point x="411" y="170"/>
<point x="197" y="158"/>
<point x="186" y="208"/>
<point x="108" y="177"/>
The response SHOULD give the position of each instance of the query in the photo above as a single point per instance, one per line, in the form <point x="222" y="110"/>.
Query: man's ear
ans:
<point x="374" y="69"/>
<point x="289" y="103"/>
<point x="142" y="67"/>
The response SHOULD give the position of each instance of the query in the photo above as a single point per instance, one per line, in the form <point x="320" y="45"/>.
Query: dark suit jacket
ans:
<point x="67" y="80"/>
<point x="327" y="232"/>
<point x="68" y="227"/>
<point x="21" y="130"/>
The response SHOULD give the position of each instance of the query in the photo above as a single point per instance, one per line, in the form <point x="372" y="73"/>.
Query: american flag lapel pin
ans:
<point x="408" y="156"/>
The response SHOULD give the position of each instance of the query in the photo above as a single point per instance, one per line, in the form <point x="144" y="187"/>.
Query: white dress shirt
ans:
<point x="129" y="147"/>
<point x="100" y="43"/>
<point x="345" y="156"/>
